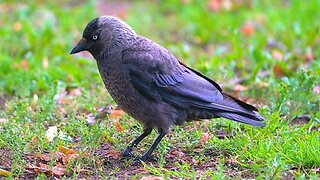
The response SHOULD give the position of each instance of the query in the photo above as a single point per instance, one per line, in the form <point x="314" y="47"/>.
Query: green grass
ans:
<point x="36" y="33"/>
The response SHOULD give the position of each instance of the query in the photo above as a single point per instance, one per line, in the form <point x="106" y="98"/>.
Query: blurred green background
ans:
<point x="265" y="52"/>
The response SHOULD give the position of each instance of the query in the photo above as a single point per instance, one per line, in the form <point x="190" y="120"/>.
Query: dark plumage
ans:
<point x="152" y="86"/>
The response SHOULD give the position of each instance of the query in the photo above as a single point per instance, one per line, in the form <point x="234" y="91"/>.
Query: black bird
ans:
<point x="152" y="86"/>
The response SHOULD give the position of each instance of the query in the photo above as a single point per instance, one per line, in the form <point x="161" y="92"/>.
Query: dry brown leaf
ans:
<point x="214" y="5"/>
<point x="61" y="98"/>
<point x="66" y="150"/>
<point x="24" y="64"/>
<point x="118" y="125"/>
<point x="205" y="137"/>
<point x="75" y="92"/>
<point x="34" y="140"/>
<point x="59" y="170"/>
<point x="42" y="165"/>
<point x="45" y="157"/>
<point x="113" y="154"/>
<point x="4" y="173"/>
<point x="58" y="156"/>
<point x="239" y="87"/>
<point x="152" y="178"/>
<point x="117" y="113"/>
<point x="17" y="26"/>
<point x="277" y="71"/>
<point x="72" y="157"/>
<point x="309" y="57"/>
<point x="38" y="169"/>
<point x="247" y="29"/>
<point x="29" y="166"/>
<point x="84" y="154"/>
<point x="98" y="162"/>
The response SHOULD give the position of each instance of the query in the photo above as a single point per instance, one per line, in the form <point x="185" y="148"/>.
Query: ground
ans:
<point x="57" y="121"/>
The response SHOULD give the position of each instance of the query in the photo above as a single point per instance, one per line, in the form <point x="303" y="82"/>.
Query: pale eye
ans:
<point x="94" y="37"/>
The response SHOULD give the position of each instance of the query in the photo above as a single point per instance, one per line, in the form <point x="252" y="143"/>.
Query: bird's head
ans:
<point x="102" y="34"/>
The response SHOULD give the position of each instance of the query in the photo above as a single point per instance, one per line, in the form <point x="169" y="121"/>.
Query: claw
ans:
<point x="127" y="152"/>
<point x="144" y="158"/>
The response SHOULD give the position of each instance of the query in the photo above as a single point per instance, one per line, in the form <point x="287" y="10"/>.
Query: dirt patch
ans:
<point x="301" y="119"/>
<point x="5" y="159"/>
<point x="117" y="165"/>
<point x="123" y="167"/>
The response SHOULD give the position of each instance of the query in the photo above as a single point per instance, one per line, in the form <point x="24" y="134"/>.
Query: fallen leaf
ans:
<point x="175" y="154"/>
<point x="239" y="87"/>
<point x="58" y="156"/>
<point x="4" y="172"/>
<point x="17" y="26"/>
<point x="118" y="125"/>
<point x="58" y="170"/>
<point x="24" y="64"/>
<point x="38" y="169"/>
<point x="66" y="150"/>
<point x="277" y="55"/>
<point x="117" y="113"/>
<point x="247" y="29"/>
<point x="61" y="98"/>
<point x="84" y="154"/>
<point x="98" y="162"/>
<point x="205" y="137"/>
<point x="309" y="57"/>
<point x="113" y="154"/>
<point x="29" y="166"/>
<point x="51" y="133"/>
<point x="75" y="92"/>
<point x="42" y="165"/>
<point x="152" y="178"/>
<point x="277" y="71"/>
<point x="72" y="157"/>
<point x="214" y="5"/>
<point x="45" y="157"/>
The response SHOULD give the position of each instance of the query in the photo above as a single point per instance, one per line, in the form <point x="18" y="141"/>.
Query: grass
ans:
<point x="39" y="81"/>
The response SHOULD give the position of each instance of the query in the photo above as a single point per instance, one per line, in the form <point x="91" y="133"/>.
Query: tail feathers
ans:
<point x="237" y="110"/>
<point x="254" y="121"/>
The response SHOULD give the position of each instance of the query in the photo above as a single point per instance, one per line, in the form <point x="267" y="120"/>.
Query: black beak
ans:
<point x="81" y="46"/>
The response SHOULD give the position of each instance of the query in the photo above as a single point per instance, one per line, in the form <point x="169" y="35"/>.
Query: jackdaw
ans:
<point x="152" y="86"/>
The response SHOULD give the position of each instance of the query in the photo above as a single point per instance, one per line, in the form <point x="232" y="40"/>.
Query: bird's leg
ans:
<point x="126" y="152"/>
<point x="147" y="155"/>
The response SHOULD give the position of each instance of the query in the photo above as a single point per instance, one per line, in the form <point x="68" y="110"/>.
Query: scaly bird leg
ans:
<point x="126" y="152"/>
<point x="147" y="155"/>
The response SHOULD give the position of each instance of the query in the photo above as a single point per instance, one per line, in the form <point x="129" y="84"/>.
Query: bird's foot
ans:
<point x="127" y="152"/>
<point x="145" y="158"/>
